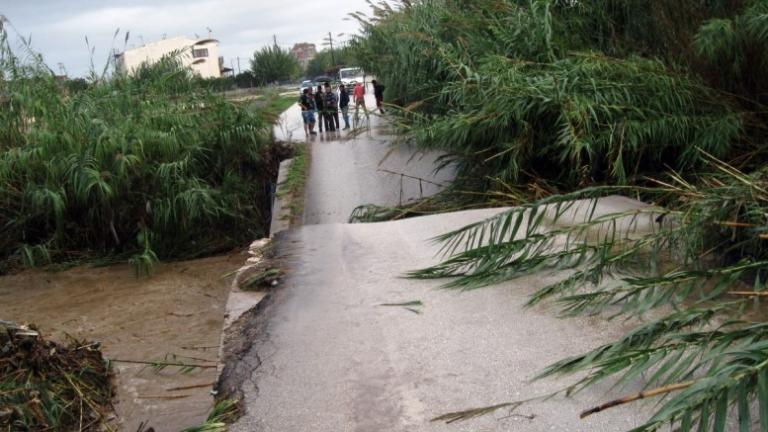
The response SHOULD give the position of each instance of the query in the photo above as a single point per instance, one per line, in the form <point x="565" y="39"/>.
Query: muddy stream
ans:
<point x="176" y="311"/>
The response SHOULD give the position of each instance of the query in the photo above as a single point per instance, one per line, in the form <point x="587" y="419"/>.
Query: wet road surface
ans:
<point x="350" y="168"/>
<point x="333" y="359"/>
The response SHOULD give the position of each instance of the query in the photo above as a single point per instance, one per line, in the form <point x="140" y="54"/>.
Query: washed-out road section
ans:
<point x="333" y="358"/>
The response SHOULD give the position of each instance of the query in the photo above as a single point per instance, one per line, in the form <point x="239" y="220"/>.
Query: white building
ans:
<point x="202" y="55"/>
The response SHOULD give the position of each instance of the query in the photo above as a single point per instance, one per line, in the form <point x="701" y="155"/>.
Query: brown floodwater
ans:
<point x="178" y="311"/>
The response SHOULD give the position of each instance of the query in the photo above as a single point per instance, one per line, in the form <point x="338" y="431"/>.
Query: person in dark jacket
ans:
<point x="307" y="103"/>
<point x="344" y="105"/>
<point x="378" y="92"/>
<point x="331" y="109"/>
<point x="320" y="107"/>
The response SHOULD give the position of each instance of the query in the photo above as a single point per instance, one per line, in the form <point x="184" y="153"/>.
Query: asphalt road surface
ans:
<point x="332" y="358"/>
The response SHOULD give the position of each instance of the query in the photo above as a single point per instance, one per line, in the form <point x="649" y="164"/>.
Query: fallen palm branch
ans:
<point x="411" y="306"/>
<point x="749" y="293"/>
<point x="475" y="412"/>
<point x="160" y="365"/>
<point x="192" y="386"/>
<point x="635" y="397"/>
<point x="706" y="352"/>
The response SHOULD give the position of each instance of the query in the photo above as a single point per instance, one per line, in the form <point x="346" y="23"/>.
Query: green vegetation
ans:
<point x="263" y="279"/>
<point x="277" y="104"/>
<point x="328" y="62"/>
<point x="48" y="386"/>
<point x="273" y="64"/>
<point x="513" y="96"/>
<point x="543" y="102"/>
<point x="224" y="412"/>
<point x="296" y="181"/>
<point x="242" y="80"/>
<point x="147" y="166"/>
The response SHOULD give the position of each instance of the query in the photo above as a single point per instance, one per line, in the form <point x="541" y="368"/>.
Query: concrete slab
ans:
<point x="333" y="359"/>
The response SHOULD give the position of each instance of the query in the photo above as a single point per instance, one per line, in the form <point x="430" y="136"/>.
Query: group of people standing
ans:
<point x="326" y="104"/>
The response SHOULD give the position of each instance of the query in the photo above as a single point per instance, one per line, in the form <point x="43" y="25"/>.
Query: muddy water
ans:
<point x="177" y="311"/>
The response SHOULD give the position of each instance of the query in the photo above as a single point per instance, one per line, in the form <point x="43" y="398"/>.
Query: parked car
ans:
<point x="305" y="84"/>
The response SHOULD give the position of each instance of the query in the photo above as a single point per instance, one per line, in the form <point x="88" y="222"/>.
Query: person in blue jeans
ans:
<point x="307" y="103"/>
<point x="344" y="105"/>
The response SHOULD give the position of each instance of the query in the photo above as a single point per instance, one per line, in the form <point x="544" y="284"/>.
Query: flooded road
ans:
<point x="178" y="311"/>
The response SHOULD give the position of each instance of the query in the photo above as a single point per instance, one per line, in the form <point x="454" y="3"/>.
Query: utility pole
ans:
<point x="330" y="41"/>
<point x="238" y="65"/>
<point x="274" y="38"/>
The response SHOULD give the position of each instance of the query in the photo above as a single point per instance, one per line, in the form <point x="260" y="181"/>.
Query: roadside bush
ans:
<point x="273" y="64"/>
<point x="518" y="90"/>
<point x="150" y="165"/>
<point x="659" y="99"/>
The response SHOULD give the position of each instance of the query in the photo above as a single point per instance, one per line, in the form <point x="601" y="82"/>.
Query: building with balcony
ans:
<point x="202" y="55"/>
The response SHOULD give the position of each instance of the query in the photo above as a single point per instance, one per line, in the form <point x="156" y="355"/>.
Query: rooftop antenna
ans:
<point x="210" y="32"/>
<point x="197" y="36"/>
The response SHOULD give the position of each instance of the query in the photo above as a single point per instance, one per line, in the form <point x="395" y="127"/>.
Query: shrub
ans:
<point x="150" y="164"/>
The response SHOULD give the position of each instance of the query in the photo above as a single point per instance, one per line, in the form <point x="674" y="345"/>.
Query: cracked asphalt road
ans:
<point x="334" y="359"/>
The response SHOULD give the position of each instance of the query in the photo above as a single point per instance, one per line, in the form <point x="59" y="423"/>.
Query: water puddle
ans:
<point x="177" y="311"/>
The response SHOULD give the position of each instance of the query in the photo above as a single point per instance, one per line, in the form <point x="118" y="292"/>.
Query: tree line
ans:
<point x="274" y="64"/>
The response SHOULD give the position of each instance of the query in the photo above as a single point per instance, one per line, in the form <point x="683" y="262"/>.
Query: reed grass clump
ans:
<point x="571" y="92"/>
<point x="662" y="100"/>
<point x="148" y="166"/>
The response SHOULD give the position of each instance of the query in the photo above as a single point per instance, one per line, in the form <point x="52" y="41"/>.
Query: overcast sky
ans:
<point x="58" y="28"/>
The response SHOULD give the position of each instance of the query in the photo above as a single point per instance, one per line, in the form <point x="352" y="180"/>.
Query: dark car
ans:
<point x="322" y="79"/>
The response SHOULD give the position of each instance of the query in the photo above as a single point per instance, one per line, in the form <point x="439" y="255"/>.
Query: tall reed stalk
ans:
<point x="661" y="99"/>
<point x="146" y="166"/>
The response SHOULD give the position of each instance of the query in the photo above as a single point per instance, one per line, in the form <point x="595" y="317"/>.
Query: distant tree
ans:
<point x="245" y="79"/>
<point x="326" y="63"/>
<point x="76" y="85"/>
<point x="272" y="63"/>
<point x="318" y="65"/>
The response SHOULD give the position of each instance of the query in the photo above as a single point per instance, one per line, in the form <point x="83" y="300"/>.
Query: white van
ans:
<point x="351" y="75"/>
